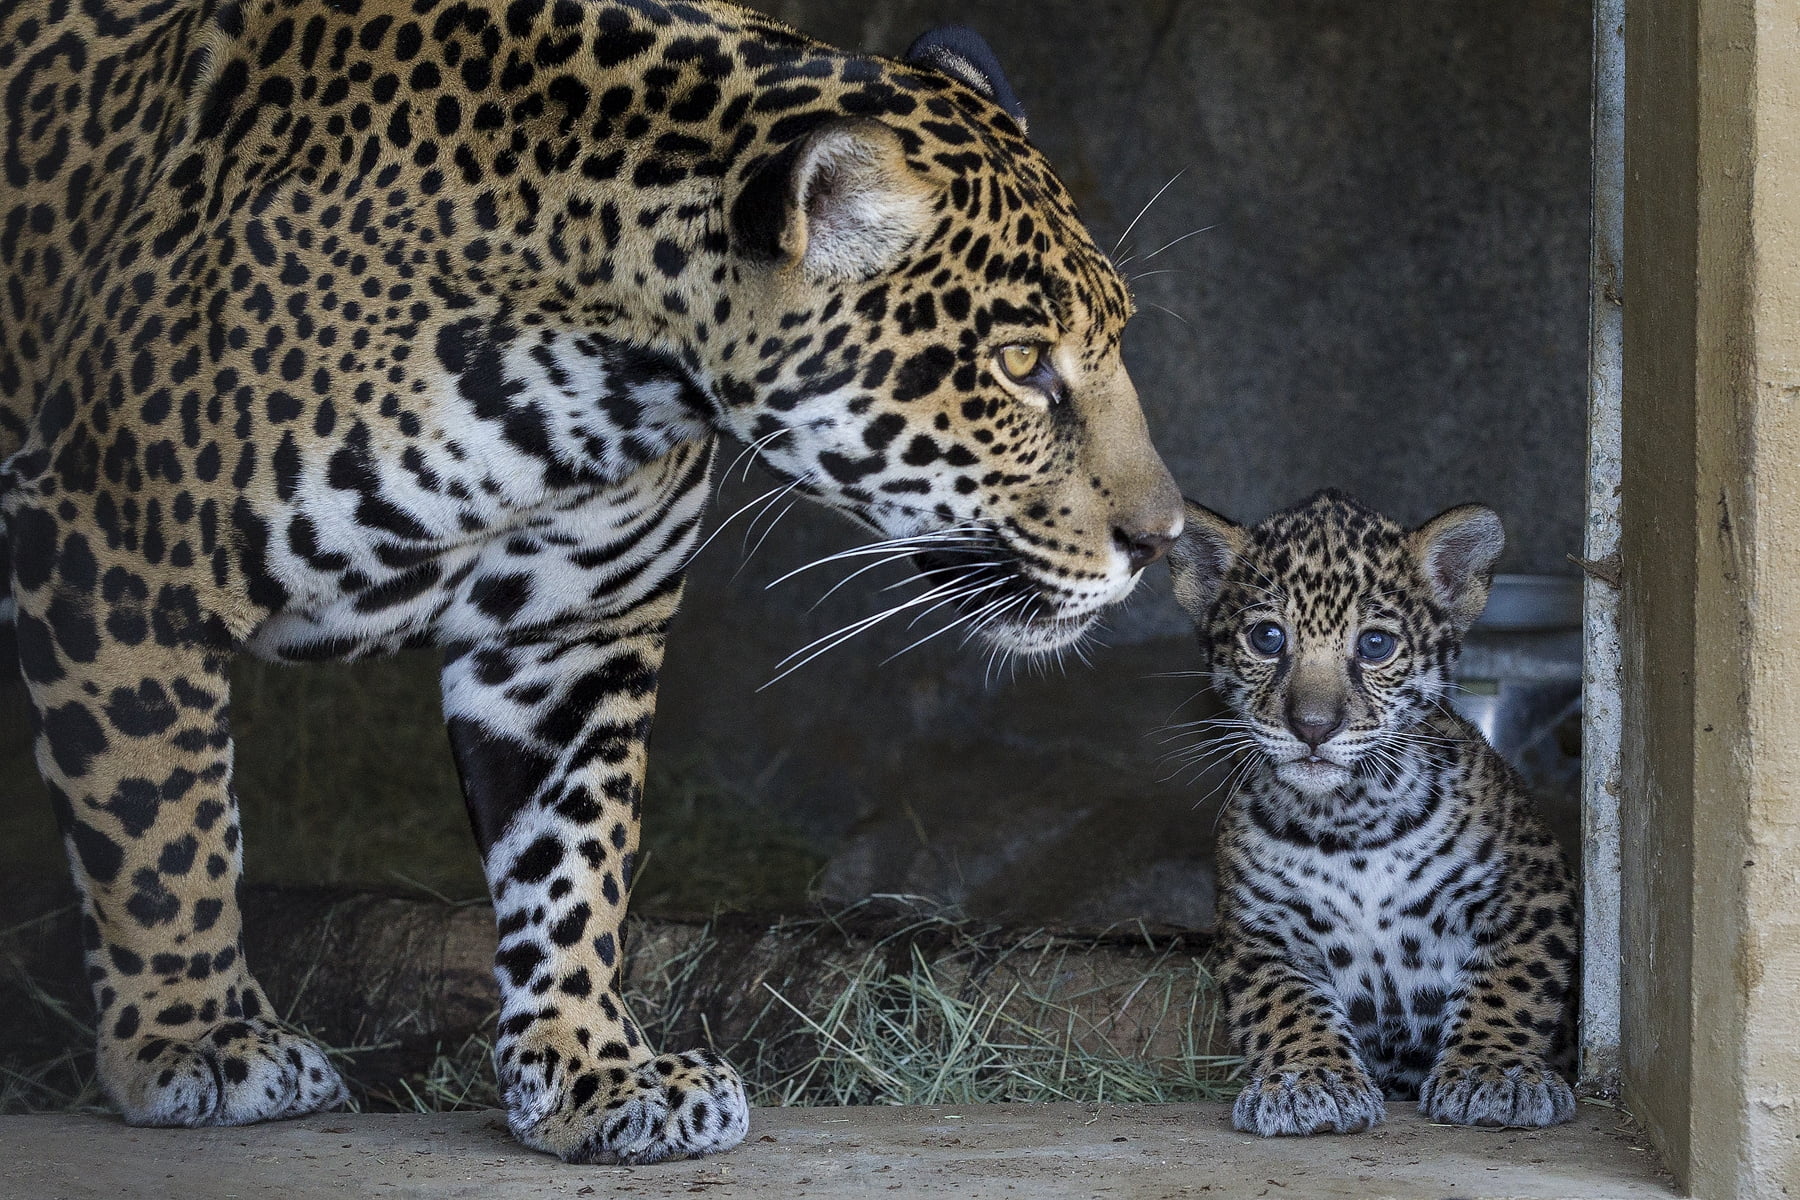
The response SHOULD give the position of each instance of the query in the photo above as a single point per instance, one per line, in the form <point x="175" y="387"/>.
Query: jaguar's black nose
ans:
<point x="1142" y="547"/>
<point x="1315" y="725"/>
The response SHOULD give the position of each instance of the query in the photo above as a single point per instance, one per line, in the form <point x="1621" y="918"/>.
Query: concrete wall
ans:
<point x="1711" y="599"/>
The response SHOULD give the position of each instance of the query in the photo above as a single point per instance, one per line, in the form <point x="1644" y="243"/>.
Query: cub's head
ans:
<point x="922" y="335"/>
<point x="1329" y="629"/>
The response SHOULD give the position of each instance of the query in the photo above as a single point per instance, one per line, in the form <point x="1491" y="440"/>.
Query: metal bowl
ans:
<point x="1533" y="602"/>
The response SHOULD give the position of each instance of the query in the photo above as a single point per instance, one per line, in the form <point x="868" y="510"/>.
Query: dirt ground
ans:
<point x="1041" y="1152"/>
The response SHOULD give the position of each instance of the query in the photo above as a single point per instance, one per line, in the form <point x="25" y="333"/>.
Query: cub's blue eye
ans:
<point x="1376" y="646"/>
<point x="1267" y="638"/>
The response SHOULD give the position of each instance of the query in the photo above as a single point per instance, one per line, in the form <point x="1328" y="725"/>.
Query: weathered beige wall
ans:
<point x="1763" y="967"/>
<point x="1712" y="589"/>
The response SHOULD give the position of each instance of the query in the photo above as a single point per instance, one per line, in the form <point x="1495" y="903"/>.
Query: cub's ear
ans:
<point x="1200" y="557"/>
<point x="965" y="56"/>
<point x="841" y="203"/>
<point x="1457" y="550"/>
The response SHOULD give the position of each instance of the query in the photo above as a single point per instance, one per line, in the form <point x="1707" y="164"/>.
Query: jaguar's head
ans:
<point x="924" y="336"/>
<point x="1329" y="629"/>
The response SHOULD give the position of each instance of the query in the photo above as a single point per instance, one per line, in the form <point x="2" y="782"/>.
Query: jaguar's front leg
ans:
<point x="549" y="739"/>
<point x="1305" y="1073"/>
<point x="1513" y="1029"/>
<point x="135" y="746"/>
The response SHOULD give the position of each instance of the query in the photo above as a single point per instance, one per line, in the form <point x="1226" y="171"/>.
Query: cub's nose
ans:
<point x="1144" y="546"/>
<point x="1315" y="726"/>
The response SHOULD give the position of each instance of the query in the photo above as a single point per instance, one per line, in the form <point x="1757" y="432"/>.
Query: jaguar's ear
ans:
<point x="1200" y="558"/>
<point x="964" y="55"/>
<point x="840" y="203"/>
<point x="1457" y="550"/>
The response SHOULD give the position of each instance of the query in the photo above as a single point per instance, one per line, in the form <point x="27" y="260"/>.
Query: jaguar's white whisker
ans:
<point x="1196" y="762"/>
<point x="749" y="551"/>
<point x="838" y="637"/>
<point x="1170" y="311"/>
<point x="969" y="568"/>
<point x="1206" y="723"/>
<point x="991" y="612"/>
<point x="1232" y="616"/>
<point x="1190" y="731"/>
<point x="1204" y="740"/>
<point x="974" y="589"/>
<point x="1078" y="648"/>
<point x="767" y="498"/>
<point x="1160" y="271"/>
<point x="1413" y="735"/>
<point x="1176" y="242"/>
<point x="1235" y="782"/>
<point x="1229" y="786"/>
<point x="1273" y="587"/>
<point x="1226" y="719"/>
<point x="779" y="517"/>
<point x="1205" y="753"/>
<point x="1147" y="206"/>
<point x="962" y="618"/>
<point x="999" y="612"/>
<point x="893" y="557"/>
<point x="909" y="544"/>
<point x="750" y="449"/>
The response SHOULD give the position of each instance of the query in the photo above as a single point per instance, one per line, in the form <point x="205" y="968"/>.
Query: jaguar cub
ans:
<point x="1395" y="918"/>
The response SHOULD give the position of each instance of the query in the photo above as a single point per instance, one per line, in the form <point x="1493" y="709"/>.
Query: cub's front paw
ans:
<point x="674" y="1106"/>
<point x="234" y="1074"/>
<point x="1466" y="1093"/>
<point x="1308" y="1100"/>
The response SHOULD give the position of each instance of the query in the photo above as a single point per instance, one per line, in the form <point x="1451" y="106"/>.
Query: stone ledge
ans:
<point x="1023" y="1152"/>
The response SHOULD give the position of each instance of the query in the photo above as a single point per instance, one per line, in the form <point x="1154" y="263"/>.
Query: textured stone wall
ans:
<point x="1389" y="296"/>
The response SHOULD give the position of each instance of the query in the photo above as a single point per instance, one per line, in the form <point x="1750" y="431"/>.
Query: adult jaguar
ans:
<point x="333" y="327"/>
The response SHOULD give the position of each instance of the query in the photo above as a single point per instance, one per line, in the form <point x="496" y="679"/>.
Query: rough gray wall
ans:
<point x="1390" y="298"/>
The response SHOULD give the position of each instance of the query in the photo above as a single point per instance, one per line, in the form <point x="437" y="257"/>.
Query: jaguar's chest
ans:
<point x="593" y="552"/>
<point x="1390" y="934"/>
<point x="529" y="482"/>
<point x="1396" y="961"/>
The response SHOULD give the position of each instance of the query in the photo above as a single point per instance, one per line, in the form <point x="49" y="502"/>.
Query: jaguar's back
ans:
<point x="91" y="96"/>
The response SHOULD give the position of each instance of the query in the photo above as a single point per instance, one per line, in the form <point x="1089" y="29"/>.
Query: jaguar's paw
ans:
<point x="235" y="1073"/>
<point x="1474" y="1093"/>
<point x="1308" y="1100"/>
<point x="673" y="1106"/>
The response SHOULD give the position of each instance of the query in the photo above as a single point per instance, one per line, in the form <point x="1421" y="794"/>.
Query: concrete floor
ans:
<point x="1040" y="1152"/>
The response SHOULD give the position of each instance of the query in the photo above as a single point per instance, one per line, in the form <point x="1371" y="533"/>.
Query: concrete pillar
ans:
<point x="1711" y="598"/>
<point x="1600" y="716"/>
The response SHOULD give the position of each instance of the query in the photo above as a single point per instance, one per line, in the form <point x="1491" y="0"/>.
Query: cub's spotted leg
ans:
<point x="1305" y="1074"/>
<point x="134" y="745"/>
<point x="549" y="739"/>
<point x="1499" y="1065"/>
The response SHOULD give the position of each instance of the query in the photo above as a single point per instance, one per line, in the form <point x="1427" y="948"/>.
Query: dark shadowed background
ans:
<point x="1389" y="297"/>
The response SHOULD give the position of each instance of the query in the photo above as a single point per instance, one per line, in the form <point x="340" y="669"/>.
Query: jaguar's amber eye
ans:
<point x="1019" y="360"/>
